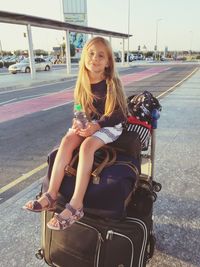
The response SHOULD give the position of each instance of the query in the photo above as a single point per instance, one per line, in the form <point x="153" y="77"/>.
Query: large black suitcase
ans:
<point x="98" y="242"/>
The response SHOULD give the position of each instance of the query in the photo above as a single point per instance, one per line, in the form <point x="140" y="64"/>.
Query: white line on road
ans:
<point x="8" y="101"/>
<point x="60" y="105"/>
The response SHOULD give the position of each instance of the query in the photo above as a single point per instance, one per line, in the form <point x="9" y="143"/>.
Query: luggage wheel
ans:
<point x="157" y="186"/>
<point x="151" y="247"/>
<point x="154" y="196"/>
<point x="39" y="254"/>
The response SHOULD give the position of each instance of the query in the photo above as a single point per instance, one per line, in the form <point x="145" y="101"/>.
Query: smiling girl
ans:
<point x="100" y="93"/>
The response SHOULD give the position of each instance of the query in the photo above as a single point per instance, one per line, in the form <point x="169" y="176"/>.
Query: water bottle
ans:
<point x="155" y="116"/>
<point x="80" y="116"/>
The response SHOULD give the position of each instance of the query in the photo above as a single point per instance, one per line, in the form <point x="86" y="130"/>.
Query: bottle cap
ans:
<point x="78" y="107"/>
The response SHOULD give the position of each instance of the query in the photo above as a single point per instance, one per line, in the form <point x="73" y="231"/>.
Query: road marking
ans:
<point x="179" y="83"/>
<point x="23" y="177"/>
<point x="8" y="101"/>
<point x="60" y="105"/>
<point x="44" y="165"/>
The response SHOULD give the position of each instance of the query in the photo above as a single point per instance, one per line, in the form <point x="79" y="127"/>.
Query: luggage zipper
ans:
<point x="98" y="247"/>
<point x="144" y="243"/>
<point x="109" y="236"/>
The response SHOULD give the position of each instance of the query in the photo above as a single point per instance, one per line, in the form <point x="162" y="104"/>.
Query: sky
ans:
<point x="175" y="21"/>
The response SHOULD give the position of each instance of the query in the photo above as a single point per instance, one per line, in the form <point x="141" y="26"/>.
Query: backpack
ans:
<point x="142" y="105"/>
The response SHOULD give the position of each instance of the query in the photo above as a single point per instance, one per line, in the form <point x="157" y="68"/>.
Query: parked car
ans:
<point x="24" y="65"/>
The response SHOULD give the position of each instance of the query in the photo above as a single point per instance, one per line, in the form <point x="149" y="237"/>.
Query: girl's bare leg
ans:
<point x="68" y="143"/>
<point x="86" y="159"/>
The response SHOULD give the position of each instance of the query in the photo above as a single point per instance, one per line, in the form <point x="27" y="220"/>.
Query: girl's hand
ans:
<point x="75" y="126"/>
<point x="89" y="130"/>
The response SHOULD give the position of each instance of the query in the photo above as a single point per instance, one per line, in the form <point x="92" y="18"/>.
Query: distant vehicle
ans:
<point x="162" y="58"/>
<point x="131" y="57"/>
<point x="149" y="59"/>
<point x="6" y="61"/>
<point x="52" y="59"/>
<point x="24" y="66"/>
<point x="140" y="57"/>
<point x="117" y="57"/>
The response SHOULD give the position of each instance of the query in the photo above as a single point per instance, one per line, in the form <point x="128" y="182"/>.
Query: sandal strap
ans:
<point x="50" y="200"/>
<point x="61" y="221"/>
<point x="36" y="205"/>
<point x="71" y="209"/>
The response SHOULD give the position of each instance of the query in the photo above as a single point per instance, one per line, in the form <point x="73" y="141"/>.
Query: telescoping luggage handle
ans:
<point x="106" y="157"/>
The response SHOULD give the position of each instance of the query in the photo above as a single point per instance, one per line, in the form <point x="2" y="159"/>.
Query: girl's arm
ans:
<point x="109" y="121"/>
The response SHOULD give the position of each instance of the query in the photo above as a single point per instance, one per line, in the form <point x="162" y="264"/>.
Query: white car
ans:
<point x="24" y="65"/>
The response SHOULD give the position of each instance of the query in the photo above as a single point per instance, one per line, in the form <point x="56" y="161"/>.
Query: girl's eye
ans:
<point x="91" y="53"/>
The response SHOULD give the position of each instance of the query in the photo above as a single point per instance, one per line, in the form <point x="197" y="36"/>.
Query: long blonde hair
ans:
<point x="115" y="93"/>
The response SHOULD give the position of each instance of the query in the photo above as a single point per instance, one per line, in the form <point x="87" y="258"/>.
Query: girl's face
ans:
<point x="96" y="59"/>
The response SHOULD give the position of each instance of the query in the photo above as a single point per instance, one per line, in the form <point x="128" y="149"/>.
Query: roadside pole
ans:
<point x="67" y="52"/>
<point x="30" y="50"/>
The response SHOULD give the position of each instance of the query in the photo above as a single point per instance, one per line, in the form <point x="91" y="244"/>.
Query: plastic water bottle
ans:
<point x="80" y="116"/>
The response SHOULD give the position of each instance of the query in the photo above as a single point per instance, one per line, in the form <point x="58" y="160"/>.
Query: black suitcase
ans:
<point x="97" y="242"/>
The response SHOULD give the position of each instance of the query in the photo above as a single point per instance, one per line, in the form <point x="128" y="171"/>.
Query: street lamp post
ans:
<point x="1" y="50"/>
<point x="156" y="45"/>
<point x="128" y="30"/>
<point x="191" y="37"/>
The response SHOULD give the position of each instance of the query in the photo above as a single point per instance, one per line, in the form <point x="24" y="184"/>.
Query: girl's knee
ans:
<point x="69" y="138"/>
<point x="90" y="145"/>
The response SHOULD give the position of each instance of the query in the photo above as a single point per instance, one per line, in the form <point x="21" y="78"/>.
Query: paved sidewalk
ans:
<point x="17" y="81"/>
<point x="177" y="210"/>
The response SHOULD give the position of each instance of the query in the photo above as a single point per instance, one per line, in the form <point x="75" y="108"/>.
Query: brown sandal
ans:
<point x="37" y="207"/>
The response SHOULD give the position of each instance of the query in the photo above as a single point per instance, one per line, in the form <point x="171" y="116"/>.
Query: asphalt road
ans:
<point x="26" y="141"/>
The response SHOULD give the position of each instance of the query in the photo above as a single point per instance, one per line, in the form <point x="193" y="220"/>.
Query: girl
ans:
<point x="99" y="91"/>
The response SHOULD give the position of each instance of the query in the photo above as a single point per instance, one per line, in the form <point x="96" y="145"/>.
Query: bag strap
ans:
<point x="107" y="158"/>
<point x="110" y="158"/>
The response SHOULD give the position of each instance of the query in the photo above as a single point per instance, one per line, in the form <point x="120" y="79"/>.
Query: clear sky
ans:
<point x="178" y="22"/>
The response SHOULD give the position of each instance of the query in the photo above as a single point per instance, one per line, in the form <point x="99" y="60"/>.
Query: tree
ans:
<point x="72" y="49"/>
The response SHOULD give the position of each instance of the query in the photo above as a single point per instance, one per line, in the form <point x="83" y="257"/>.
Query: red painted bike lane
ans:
<point x="25" y="107"/>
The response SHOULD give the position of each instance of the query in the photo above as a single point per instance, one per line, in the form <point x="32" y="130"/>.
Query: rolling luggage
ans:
<point x="97" y="242"/>
<point x="100" y="239"/>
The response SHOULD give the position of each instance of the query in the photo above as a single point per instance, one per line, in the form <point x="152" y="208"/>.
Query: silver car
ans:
<point x="24" y="66"/>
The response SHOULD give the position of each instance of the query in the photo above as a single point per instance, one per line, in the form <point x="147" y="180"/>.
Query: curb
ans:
<point x="32" y="84"/>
